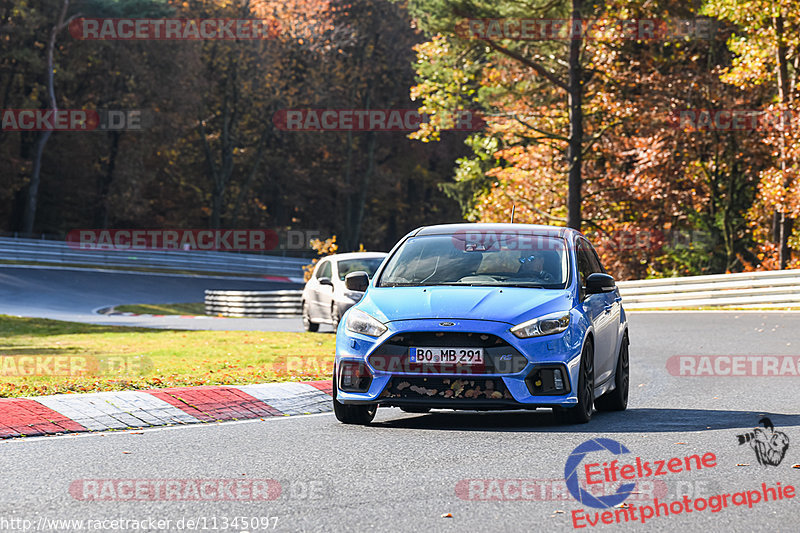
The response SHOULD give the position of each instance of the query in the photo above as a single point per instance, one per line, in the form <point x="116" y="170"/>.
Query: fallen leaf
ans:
<point x="681" y="443"/>
<point x="447" y="515"/>
<point x="742" y="464"/>
<point x="795" y="466"/>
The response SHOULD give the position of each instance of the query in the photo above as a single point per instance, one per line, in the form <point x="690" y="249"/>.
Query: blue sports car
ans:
<point x="484" y="317"/>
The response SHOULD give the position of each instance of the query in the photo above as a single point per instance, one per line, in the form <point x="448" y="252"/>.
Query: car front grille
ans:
<point x="446" y="389"/>
<point x="499" y="356"/>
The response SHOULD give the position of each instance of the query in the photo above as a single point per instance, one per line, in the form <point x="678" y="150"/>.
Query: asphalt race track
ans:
<point x="75" y="295"/>
<point x="402" y="473"/>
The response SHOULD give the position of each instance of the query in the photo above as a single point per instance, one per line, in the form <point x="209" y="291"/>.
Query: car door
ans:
<point x="613" y="307"/>
<point x="320" y="290"/>
<point x="596" y="308"/>
<point x="324" y="292"/>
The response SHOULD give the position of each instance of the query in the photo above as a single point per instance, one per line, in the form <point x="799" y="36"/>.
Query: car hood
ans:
<point x="501" y="304"/>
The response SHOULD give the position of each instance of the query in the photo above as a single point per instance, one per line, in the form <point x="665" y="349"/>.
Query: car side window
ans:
<point x="594" y="259"/>
<point x="324" y="270"/>
<point x="584" y="262"/>
<point x="597" y="258"/>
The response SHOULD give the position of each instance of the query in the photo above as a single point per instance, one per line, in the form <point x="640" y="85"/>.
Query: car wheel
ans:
<point x="582" y="413"/>
<point x="307" y="323"/>
<point x="335" y="317"/>
<point x="410" y="409"/>
<point x="617" y="399"/>
<point x="352" y="414"/>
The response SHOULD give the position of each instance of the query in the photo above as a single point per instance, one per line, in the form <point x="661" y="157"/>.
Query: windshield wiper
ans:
<point x="446" y="283"/>
<point x="527" y="285"/>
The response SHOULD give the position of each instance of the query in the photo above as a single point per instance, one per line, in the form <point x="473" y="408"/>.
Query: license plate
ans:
<point x="463" y="356"/>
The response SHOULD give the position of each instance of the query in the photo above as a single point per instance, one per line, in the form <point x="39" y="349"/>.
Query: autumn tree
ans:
<point x="554" y="70"/>
<point x="767" y="51"/>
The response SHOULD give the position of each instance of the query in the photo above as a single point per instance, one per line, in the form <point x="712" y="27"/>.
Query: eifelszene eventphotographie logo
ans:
<point x="579" y="474"/>
<point x="573" y="483"/>
<point x="769" y="445"/>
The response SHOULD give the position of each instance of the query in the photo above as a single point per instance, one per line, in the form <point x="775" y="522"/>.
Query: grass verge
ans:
<point x="67" y="357"/>
<point x="163" y="309"/>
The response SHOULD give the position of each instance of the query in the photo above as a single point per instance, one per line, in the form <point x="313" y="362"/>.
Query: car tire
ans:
<point x="308" y="325"/>
<point x="352" y="414"/>
<point x="617" y="399"/>
<point x="418" y="410"/>
<point x="335" y="318"/>
<point x="582" y="412"/>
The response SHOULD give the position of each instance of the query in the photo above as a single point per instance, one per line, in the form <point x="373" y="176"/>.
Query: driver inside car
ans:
<point x="532" y="267"/>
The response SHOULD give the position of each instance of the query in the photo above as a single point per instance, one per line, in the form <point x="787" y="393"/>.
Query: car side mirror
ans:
<point x="357" y="281"/>
<point x="598" y="283"/>
<point x="325" y="281"/>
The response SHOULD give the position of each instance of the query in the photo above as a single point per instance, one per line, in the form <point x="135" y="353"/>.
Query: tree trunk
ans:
<point x="785" y="223"/>
<point x="240" y="200"/>
<point x="575" y="148"/>
<point x="33" y="187"/>
<point x="220" y="173"/>
<point x="362" y="197"/>
<point x="104" y="185"/>
<point x="348" y="194"/>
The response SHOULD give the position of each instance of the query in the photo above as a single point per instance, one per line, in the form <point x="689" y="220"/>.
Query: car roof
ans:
<point x="494" y="227"/>
<point x="357" y="255"/>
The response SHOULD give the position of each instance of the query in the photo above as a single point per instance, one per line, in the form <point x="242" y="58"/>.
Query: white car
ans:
<point x="325" y="297"/>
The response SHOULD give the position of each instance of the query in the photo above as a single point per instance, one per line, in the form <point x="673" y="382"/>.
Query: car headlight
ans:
<point x="361" y="322"/>
<point x="543" y="325"/>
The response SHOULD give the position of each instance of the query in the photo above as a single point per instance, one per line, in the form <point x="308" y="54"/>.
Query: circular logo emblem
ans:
<point x="571" y="474"/>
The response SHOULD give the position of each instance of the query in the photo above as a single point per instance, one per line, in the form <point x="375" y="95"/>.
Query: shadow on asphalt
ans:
<point x="643" y="420"/>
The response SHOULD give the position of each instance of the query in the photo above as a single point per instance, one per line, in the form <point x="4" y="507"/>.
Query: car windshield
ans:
<point x="479" y="259"/>
<point x="368" y="265"/>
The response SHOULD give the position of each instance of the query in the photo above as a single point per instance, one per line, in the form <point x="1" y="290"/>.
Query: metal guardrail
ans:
<point x="60" y="253"/>
<point x="776" y="288"/>
<point x="254" y="304"/>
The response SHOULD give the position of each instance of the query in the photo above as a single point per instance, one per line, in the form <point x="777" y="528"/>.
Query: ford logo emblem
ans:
<point x="447" y="324"/>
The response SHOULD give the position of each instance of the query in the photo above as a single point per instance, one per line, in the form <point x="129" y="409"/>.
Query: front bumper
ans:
<point x="505" y="382"/>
